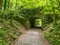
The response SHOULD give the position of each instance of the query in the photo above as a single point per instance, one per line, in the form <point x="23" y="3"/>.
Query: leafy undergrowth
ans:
<point x="9" y="32"/>
<point x="53" y="35"/>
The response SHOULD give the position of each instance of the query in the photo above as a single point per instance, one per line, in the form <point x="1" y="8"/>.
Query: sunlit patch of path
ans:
<point x="32" y="37"/>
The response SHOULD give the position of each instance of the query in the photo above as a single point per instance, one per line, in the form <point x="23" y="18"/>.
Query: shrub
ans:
<point x="53" y="35"/>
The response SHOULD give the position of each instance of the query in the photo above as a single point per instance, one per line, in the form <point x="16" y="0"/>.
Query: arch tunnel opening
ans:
<point x="35" y="22"/>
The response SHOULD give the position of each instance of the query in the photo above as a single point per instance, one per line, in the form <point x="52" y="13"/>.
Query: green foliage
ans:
<point x="38" y="22"/>
<point x="53" y="35"/>
<point x="2" y="37"/>
<point x="17" y="12"/>
<point x="9" y="27"/>
<point x="8" y="35"/>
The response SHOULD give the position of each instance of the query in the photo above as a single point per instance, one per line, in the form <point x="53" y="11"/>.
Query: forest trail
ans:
<point x="32" y="37"/>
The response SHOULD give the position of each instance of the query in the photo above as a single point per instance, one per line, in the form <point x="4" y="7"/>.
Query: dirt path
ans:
<point x="32" y="37"/>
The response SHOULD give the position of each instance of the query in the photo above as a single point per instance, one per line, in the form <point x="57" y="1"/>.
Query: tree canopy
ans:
<point x="15" y="14"/>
